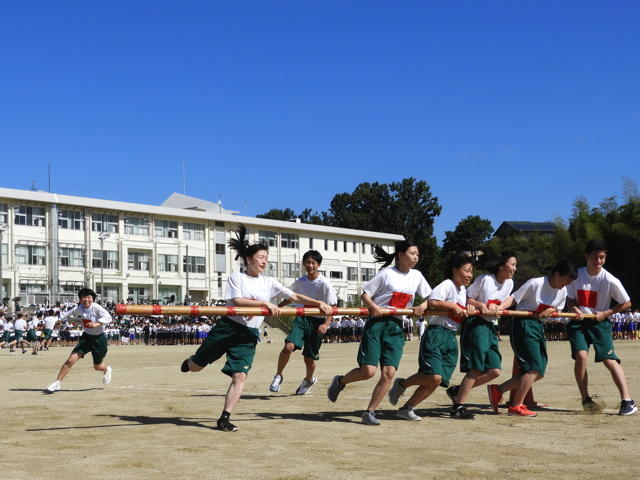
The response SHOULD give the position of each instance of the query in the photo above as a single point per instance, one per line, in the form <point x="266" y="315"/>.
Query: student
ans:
<point x="543" y="296"/>
<point x="438" y="353"/>
<point x="19" y="325"/>
<point x="383" y="337"/>
<point x="593" y="292"/>
<point x="237" y="336"/>
<point x="306" y="333"/>
<point x="32" y="336"/>
<point x="94" y="319"/>
<point x="480" y="357"/>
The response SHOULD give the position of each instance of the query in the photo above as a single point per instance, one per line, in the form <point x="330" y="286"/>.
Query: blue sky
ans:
<point x="509" y="110"/>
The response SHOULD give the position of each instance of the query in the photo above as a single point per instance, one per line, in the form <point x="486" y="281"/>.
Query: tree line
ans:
<point x="409" y="208"/>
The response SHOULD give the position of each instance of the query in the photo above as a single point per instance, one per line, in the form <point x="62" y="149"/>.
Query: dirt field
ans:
<point x="154" y="420"/>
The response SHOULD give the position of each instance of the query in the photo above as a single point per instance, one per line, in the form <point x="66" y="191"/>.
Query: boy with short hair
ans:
<point x="592" y="292"/>
<point x="307" y="332"/>
<point x="93" y="339"/>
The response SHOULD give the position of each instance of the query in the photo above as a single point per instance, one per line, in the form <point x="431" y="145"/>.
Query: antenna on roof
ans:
<point x="33" y="186"/>
<point x="184" y="180"/>
<point x="49" y="167"/>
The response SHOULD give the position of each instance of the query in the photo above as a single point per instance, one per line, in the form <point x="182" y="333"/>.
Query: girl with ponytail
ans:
<point x="383" y="337"/>
<point x="237" y="336"/>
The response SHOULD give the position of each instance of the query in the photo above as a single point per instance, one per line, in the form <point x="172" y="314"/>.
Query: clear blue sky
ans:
<point x="509" y="110"/>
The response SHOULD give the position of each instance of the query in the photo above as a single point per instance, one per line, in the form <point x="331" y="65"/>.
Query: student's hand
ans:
<point x="92" y="325"/>
<point x="484" y="310"/>
<point x="323" y="328"/>
<point x="546" y="312"/>
<point x="471" y="310"/>
<point x="600" y="317"/>
<point x="326" y="309"/>
<point x="492" y="309"/>
<point x="419" y="310"/>
<point x="273" y="309"/>
<point x="460" y="312"/>
<point x="375" y="311"/>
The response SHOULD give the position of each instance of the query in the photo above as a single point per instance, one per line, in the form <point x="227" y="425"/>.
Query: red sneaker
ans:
<point x="495" y="397"/>
<point x="522" y="411"/>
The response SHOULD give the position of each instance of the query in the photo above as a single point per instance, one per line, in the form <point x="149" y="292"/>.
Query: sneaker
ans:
<point x="627" y="407"/>
<point x="184" y="367"/>
<point x="305" y="386"/>
<point x="396" y="391"/>
<point x="275" y="384"/>
<point x="369" y="418"/>
<point x="591" y="406"/>
<point x="335" y="388"/>
<point x="226" y="426"/>
<point x="106" y="378"/>
<point x="460" y="411"/>
<point x="54" y="387"/>
<point x="24" y="351"/>
<point x="522" y="411"/>
<point x="34" y="353"/>
<point x="407" y="413"/>
<point x="452" y="392"/>
<point x="495" y="397"/>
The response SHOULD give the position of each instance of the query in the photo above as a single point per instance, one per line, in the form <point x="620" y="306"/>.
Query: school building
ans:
<point x="51" y="245"/>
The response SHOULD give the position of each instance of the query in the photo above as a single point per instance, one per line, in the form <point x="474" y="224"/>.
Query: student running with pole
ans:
<point x="383" y="337"/>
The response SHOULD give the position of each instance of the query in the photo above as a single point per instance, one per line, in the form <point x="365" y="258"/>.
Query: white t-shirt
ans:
<point x="393" y="288"/>
<point x="318" y="289"/>
<point x="20" y="324"/>
<point x="260" y="288"/>
<point x="537" y="295"/>
<point x="448" y="292"/>
<point x="95" y="313"/>
<point x="594" y="293"/>
<point x="486" y="289"/>
<point x="50" y="322"/>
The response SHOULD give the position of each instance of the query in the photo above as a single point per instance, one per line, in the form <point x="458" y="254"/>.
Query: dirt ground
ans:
<point x="154" y="420"/>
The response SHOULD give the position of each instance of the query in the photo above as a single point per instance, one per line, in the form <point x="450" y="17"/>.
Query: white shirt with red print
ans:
<point x="448" y="292"/>
<point x="393" y="288"/>
<point x="95" y="313"/>
<point x="536" y="295"/>
<point x="593" y="293"/>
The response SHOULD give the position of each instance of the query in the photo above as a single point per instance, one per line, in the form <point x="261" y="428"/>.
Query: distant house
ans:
<point x="525" y="229"/>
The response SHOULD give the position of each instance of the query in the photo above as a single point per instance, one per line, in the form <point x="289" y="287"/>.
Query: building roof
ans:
<point x="178" y="200"/>
<point x="525" y="227"/>
<point x="187" y="213"/>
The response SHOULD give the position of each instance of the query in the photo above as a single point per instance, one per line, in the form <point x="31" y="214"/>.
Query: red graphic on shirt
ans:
<point x="493" y="302"/>
<point x="542" y="307"/>
<point x="587" y="298"/>
<point x="399" y="299"/>
<point x="455" y="317"/>
<point x="85" y="322"/>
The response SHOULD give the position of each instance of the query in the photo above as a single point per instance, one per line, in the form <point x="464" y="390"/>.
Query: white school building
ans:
<point x="51" y="245"/>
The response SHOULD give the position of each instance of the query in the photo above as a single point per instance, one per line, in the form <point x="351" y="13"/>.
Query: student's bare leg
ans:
<point x="427" y="385"/>
<point x="285" y="355"/>
<point x="310" y="365"/>
<point x="580" y="372"/>
<point x="235" y="390"/>
<point x="382" y="387"/>
<point x="66" y="366"/>
<point x="618" y="377"/>
<point x="526" y="382"/>
<point x="475" y="378"/>
<point x="363" y="372"/>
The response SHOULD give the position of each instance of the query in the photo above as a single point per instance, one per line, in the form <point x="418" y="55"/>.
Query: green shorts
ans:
<point x="236" y="341"/>
<point x="438" y="353"/>
<point x="47" y="333"/>
<point x="587" y="332"/>
<point x="304" y="335"/>
<point x="382" y="342"/>
<point x="479" y="346"/>
<point x="31" y="336"/>
<point x="96" y="344"/>
<point x="18" y="335"/>
<point x="529" y="345"/>
<point x="6" y="336"/>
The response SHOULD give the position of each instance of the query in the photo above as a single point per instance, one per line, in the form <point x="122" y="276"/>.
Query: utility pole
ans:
<point x="102" y="235"/>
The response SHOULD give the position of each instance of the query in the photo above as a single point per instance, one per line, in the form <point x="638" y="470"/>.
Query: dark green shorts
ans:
<point x="47" y="333"/>
<point x="382" y="342"/>
<point x="304" y="335"/>
<point x="6" y="336"/>
<point x="587" y="332"/>
<point x="479" y="346"/>
<point x="529" y="345"/>
<point x="96" y="344"/>
<point x="438" y="353"/>
<point x="31" y="336"/>
<point x="18" y="335"/>
<point x="236" y="341"/>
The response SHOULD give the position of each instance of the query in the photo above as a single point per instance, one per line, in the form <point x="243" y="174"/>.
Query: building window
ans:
<point x="139" y="261"/>
<point x="219" y="224"/>
<point x="367" y="274"/>
<point x="363" y="247"/>
<point x="33" y="289"/>
<point x="193" y="231"/>
<point x="71" y="257"/>
<point x="167" y="263"/>
<point x="267" y="238"/>
<point x="166" y="229"/>
<point x="136" y="226"/>
<point x="221" y="249"/>
<point x="194" y="264"/>
<point x="272" y="269"/>
<point x="310" y="243"/>
<point x="326" y="244"/>
<point x="102" y="222"/>
<point x="106" y="258"/>
<point x="290" y="270"/>
<point x="30" y="255"/>
<point x="4" y="215"/>
<point x="335" y="274"/>
<point x="31" y="216"/>
<point x="352" y="274"/>
<point x="289" y="240"/>
<point x="4" y="252"/>
<point x="71" y="219"/>
<point x="344" y="246"/>
<point x="335" y="245"/>
<point x="354" y="247"/>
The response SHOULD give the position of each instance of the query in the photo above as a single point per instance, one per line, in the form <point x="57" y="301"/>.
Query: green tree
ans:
<point x="278" y="214"/>
<point x="470" y="236"/>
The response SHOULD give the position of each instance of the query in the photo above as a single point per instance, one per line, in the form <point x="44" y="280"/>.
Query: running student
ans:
<point x="543" y="296"/>
<point x="93" y="339"/>
<point x="383" y="337"/>
<point x="307" y="333"/>
<point x="237" y="336"/>
<point x="593" y="292"/>
<point x="438" y="353"/>
<point x="480" y="357"/>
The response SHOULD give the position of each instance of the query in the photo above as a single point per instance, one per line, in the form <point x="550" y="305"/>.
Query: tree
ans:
<point x="278" y="214"/>
<point x="470" y="236"/>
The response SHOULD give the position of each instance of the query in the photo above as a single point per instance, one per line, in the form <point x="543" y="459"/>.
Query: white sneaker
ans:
<point x="54" y="387"/>
<point x="407" y="413"/>
<point x="306" y="385"/>
<point x="275" y="384"/>
<point x="106" y="378"/>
